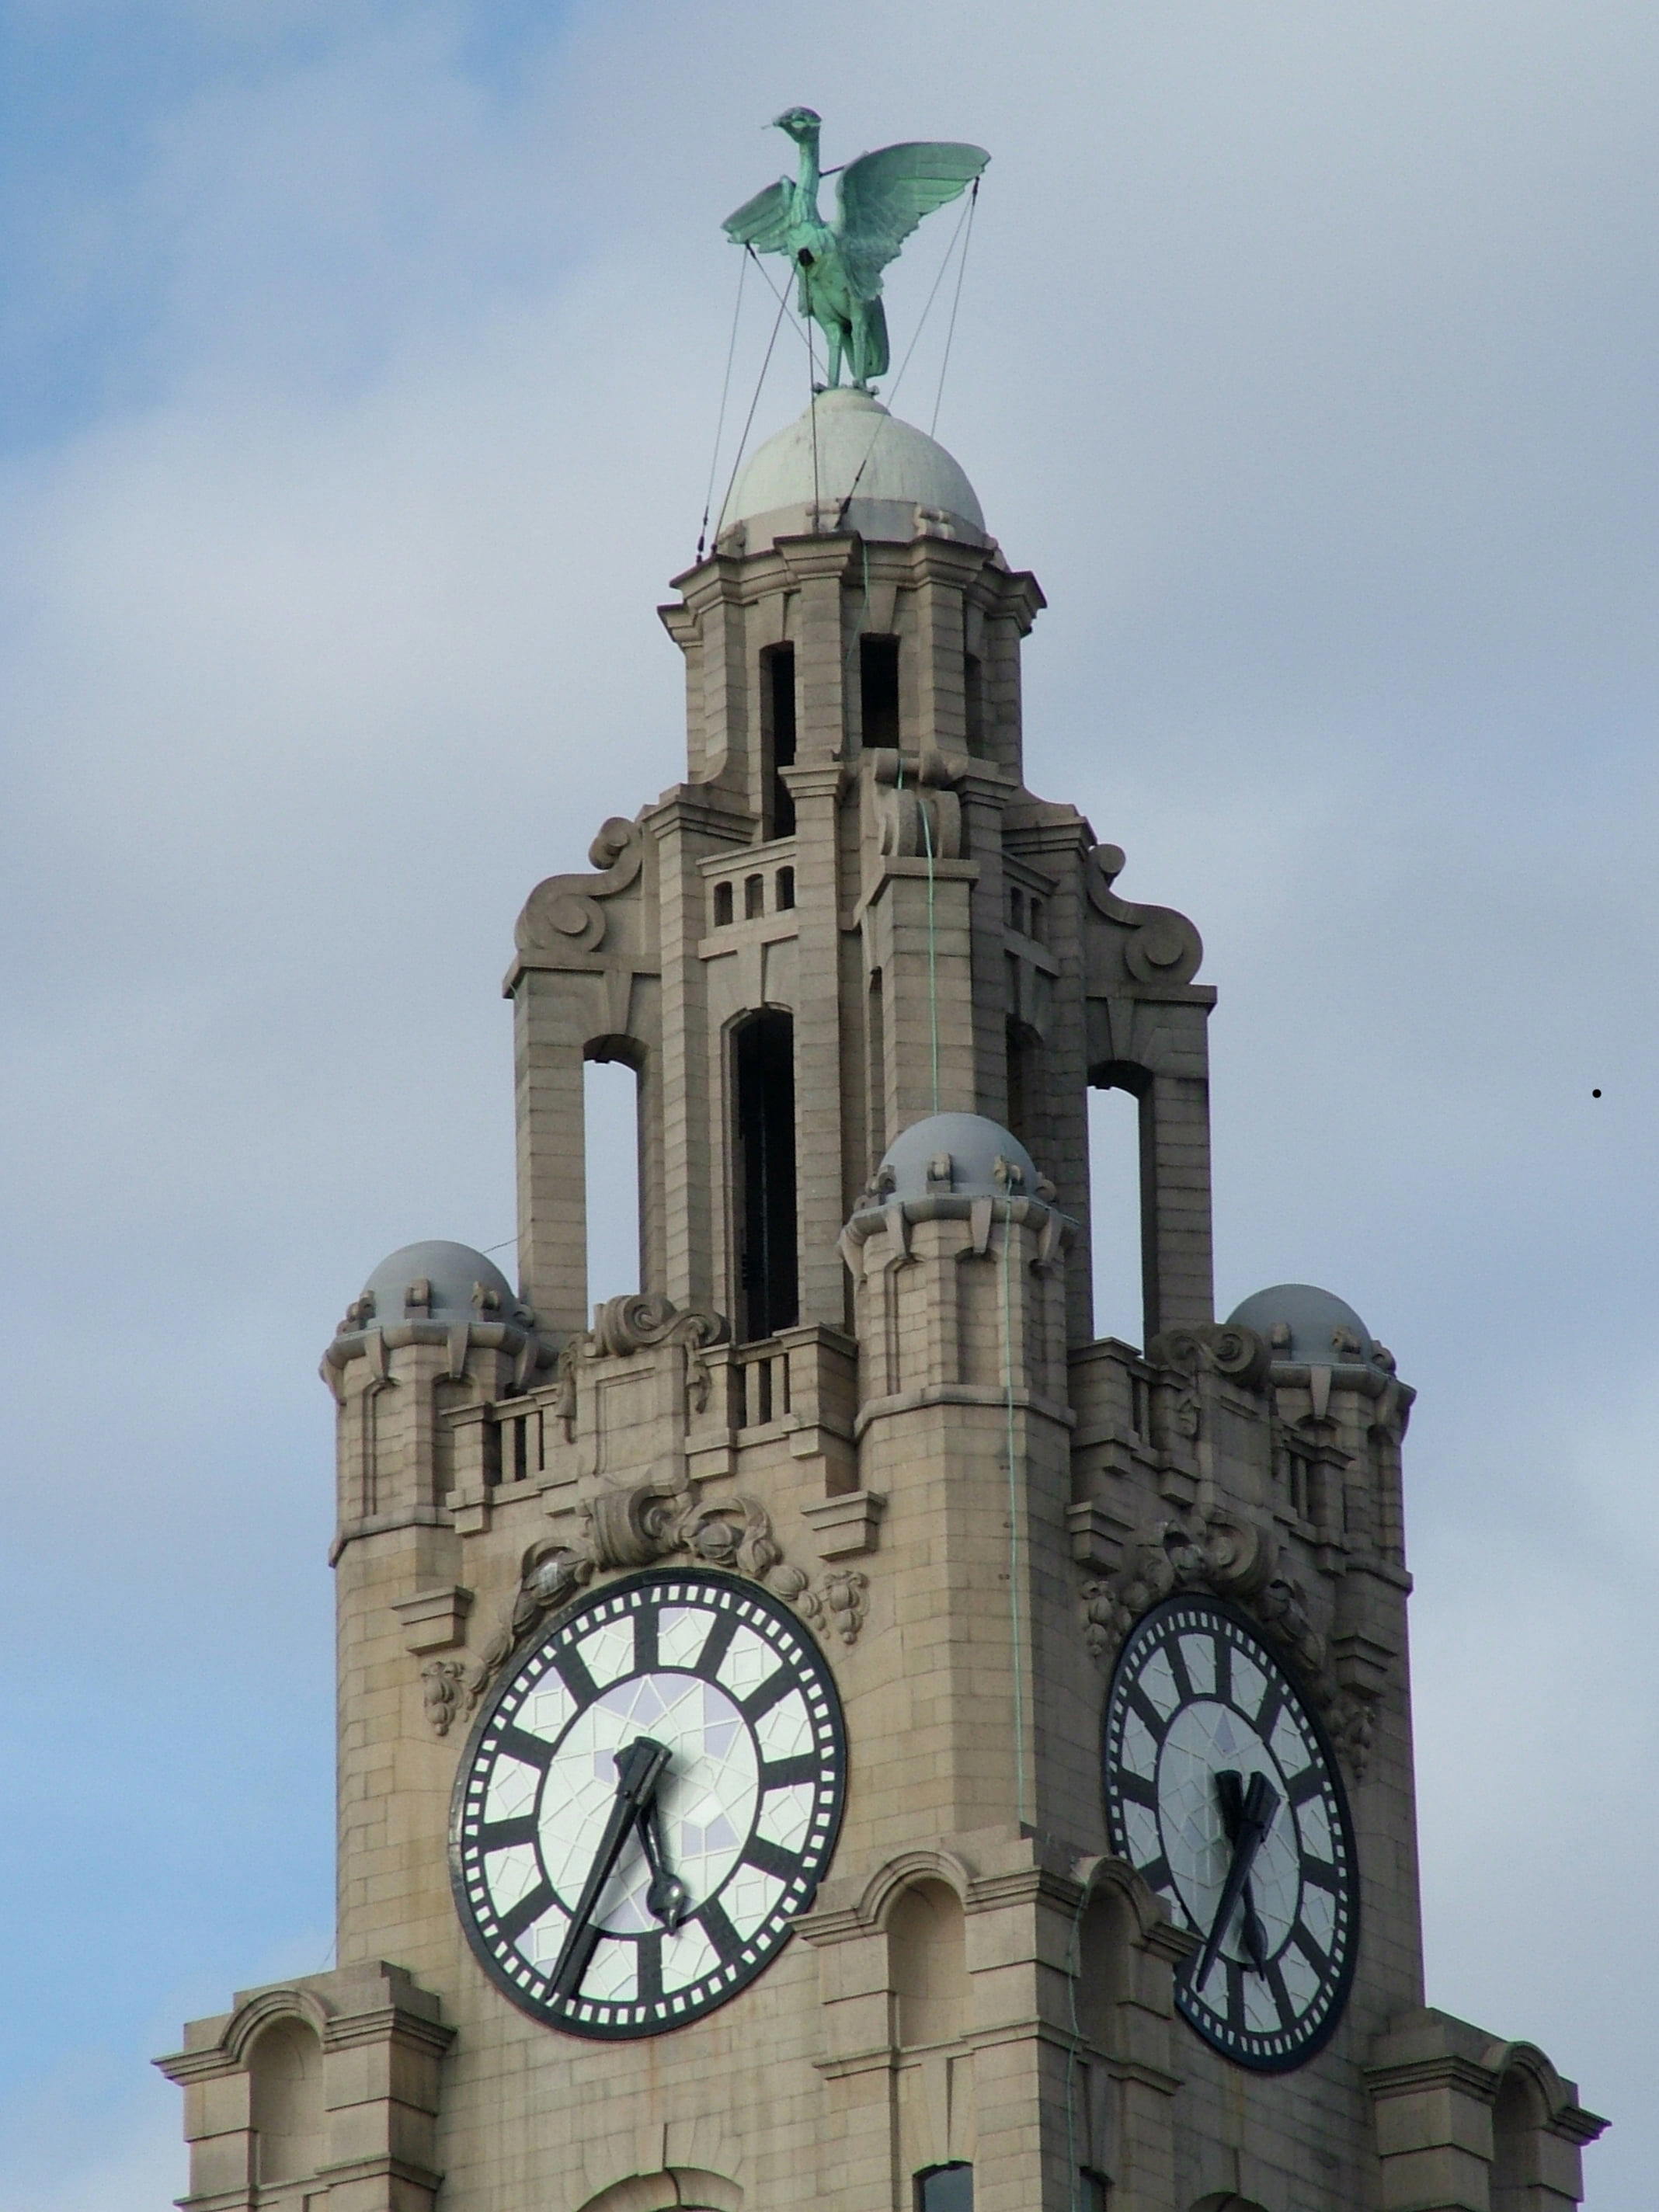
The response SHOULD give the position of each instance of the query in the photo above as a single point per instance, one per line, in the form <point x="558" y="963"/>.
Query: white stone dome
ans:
<point x="873" y="474"/>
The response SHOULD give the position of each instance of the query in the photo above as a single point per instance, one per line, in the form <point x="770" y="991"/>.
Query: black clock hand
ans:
<point x="1230" y="1787"/>
<point x="1256" y="1807"/>
<point x="668" y="1898"/>
<point x="639" y="1769"/>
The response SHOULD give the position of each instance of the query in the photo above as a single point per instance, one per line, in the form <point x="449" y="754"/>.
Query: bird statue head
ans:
<point x="800" y="123"/>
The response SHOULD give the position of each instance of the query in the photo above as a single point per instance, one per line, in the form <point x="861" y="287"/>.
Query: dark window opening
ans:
<point x="778" y="733"/>
<point x="875" y="1047"/>
<point x="945" y="2188"/>
<point x="1016" y="910"/>
<point x="973" y="701"/>
<point x="763" y="1052"/>
<point x="1034" y="924"/>
<point x="786" y="890"/>
<point x="754" y="897"/>
<point x="1025" y="1082"/>
<point x="878" y="689"/>
<point x="1093" y="2189"/>
<point x="722" y="905"/>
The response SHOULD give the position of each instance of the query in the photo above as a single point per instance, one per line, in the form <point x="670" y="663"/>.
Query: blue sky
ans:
<point x="360" y="367"/>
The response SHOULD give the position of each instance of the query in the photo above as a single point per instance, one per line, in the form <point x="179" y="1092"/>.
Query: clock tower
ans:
<point x="830" y="1729"/>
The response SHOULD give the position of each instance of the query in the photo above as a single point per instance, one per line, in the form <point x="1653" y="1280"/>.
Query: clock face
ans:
<point x="1222" y="1791"/>
<point x="649" y="1800"/>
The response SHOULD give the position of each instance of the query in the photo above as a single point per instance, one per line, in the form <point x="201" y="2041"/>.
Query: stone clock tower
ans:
<point x="830" y="1729"/>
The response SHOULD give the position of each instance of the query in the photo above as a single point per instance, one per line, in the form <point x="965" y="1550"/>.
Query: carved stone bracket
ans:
<point x="639" y="1321"/>
<point x="1214" y="1347"/>
<point x="1237" y="1560"/>
<point x="1164" y="946"/>
<point x="918" y="804"/>
<point x="564" y="914"/>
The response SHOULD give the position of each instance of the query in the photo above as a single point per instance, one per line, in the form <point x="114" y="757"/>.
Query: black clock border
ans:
<point x="544" y="1634"/>
<point x="1255" y="2062"/>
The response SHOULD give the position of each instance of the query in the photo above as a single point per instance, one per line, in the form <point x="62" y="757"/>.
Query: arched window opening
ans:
<point x="1016" y="909"/>
<point x="1115" y="1226"/>
<point x="610" y="1120"/>
<point x="722" y="905"/>
<point x="1103" y="1970"/>
<point x="777" y="740"/>
<point x="973" y="701"/>
<point x="285" y="2082"/>
<point x="945" y="2188"/>
<point x="1093" y="2189"/>
<point x="1515" y="2121"/>
<point x="754" y="897"/>
<point x="927" y="1953"/>
<point x="878" y="689"/>
<point x="784" y="890"/>
<point x="764" y="1070"/>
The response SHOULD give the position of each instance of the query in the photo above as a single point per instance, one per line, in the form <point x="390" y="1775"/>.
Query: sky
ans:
<point x="360" y="371"/>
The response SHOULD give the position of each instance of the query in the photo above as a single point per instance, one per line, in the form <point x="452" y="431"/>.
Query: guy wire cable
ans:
<point x="748" y="420"/>
<point x="1020" y="1803"/>
<point x="726" y="385"/>
<point x="921" y="326"/>
<point x="962" y="271"/>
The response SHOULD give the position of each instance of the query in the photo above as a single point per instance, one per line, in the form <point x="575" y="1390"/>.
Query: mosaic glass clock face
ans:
<point x="1221" y="1789"/>
<point x="649" y="1800"/>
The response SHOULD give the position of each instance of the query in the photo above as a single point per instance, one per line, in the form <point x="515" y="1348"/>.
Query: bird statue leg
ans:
<point x="832" y="342"/>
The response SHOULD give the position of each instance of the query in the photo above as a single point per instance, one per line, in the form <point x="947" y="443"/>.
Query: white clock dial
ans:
<point x="612" y="1914"/>
<point x="1221" y="1789"/>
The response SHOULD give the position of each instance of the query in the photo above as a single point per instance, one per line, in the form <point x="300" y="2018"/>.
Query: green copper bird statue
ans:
<point x="881" y="198"/>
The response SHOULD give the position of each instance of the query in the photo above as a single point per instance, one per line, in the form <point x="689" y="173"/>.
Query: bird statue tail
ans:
<point x="877" y="355"/>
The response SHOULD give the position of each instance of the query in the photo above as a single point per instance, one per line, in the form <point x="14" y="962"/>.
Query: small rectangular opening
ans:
<point x="973" y="701"/>
<point x="786" y="890"/>
<point x="778" y="737"/>
<point x="754" y="897"/>
<point x="878" y="689"/>
<point x="722" y="905"/>
<point x="945" y="2188"/>
<point x="1114" y="1224"/>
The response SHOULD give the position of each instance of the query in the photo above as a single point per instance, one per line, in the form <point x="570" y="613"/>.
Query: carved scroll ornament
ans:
<point x="1234" y="1560"/>
<point x="564" y="914"/>
<point x="918" y="812"/>
<point x="1163" y="945"/>
<point x="639" y="1321"/>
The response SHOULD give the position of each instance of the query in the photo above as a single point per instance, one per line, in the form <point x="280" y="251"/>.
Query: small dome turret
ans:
<point x="878" y="475"/>
<point x="1303" y="1326"/>
<point x="957" y="1155"/>
<point x="437" y="1281"/>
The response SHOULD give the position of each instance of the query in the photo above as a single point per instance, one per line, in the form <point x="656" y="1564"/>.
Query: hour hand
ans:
<point x="1246" y="1811"/>
<point x="668" y="1899"/>
<point x="639" y="1770"/>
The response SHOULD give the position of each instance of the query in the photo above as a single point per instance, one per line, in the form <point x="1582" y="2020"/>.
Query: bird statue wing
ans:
<point x="763" y="221"/>
<point x="884" y="195"/>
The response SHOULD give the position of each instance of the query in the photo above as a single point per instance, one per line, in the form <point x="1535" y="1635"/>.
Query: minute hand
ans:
<point x="1254" y="1819"/>
<point x="639" y="1769"/>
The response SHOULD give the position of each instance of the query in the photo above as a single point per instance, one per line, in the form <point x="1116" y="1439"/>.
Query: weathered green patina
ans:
<point x="881" y="198"/>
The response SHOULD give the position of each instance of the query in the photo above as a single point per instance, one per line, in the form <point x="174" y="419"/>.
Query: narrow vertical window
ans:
<point x="610" y="1113"/>
<point x="784" y="890"/>
<point x="1024" y="1085"/>
<point x="764" y="1054"/>
<point x="778" y="740"/>
<point x="973" y="701"/>
<point x="722" y="905"/>
<point x="878" y="689"/>
<point x="1115" y="1214"/>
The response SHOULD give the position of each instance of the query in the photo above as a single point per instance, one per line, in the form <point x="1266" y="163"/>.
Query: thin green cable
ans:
<point x="932" y="943"/>
<point x="1014" y="1509"/>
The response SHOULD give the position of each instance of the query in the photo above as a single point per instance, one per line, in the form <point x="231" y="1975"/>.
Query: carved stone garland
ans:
<point x="1238" y="1561"/>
